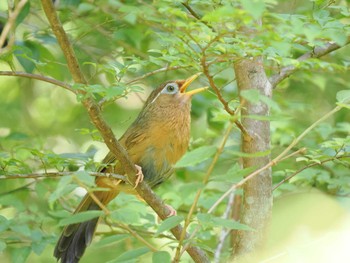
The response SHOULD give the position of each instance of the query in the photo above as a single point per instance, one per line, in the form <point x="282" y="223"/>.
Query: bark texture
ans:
<point x="257" y="198"/>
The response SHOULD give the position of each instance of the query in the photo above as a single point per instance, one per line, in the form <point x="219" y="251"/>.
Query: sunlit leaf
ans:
<point x="110" y="240"/>
<point x="343" y="96"/>
<point x="212" y="221"/>
<point x="169" y="223"/>
<point x="196" y="156"/>
<point x="161" y="257"/>
<point x="80" y="217"/>
<point x="130" y="255"/>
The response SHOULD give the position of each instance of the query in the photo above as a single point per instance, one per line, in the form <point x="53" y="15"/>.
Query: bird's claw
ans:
<point x="139" y="175"/>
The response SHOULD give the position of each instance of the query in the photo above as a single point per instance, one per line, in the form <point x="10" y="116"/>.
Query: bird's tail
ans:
<point x="76" y="237"/>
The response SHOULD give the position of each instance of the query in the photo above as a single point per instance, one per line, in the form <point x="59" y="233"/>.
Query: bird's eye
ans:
<point x="170" y="88"/>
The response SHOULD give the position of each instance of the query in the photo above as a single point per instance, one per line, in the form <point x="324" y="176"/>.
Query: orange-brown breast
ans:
<point x="156" y="140"/>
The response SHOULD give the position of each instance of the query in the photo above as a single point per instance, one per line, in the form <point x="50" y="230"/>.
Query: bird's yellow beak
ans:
<point x="188" y="82"/>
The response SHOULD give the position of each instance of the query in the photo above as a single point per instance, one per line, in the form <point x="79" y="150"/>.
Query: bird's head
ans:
<point x="174" y="91"/>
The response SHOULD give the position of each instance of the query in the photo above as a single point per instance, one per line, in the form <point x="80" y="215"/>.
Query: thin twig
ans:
<point x="192" y="12"/>
<point x="59" y="174"/>
<point x="38" y="77"/>
<point x="300" y="151"/>
<point x="11" y="20"/>
<point x="224" y="232"/>
<point x="317" y="52"/>
<point x="138" y="237"/>
<point x="306" y="167"/>
<point x="217" y="91"/>
<point x="275" y="160"/>
<point x="93" y="196"/>
<point x="196" y="199"/>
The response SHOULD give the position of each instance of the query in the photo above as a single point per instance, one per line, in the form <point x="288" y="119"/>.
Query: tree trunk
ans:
<point x="257" y="197"/>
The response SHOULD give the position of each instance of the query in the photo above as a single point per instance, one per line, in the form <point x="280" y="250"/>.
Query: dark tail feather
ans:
<point x="75" y="238"/>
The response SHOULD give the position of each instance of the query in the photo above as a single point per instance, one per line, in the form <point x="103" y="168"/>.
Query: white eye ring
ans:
<point x="170" y="88"/>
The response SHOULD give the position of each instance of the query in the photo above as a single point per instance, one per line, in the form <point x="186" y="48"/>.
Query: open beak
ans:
<point x="188" y="82"/>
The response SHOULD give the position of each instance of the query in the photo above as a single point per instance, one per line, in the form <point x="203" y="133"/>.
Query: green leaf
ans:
<point x="161" y="257"/>
<point x="196" y="156"/>
<point x="114" y="92"/>
<point x="252" y="95"/>
<point x="39" y="247"/>
<point x="22" y="229"/>
<point x="169" y="223"/>
<point x="85" y="8"/>
<point x="23" y="13"/>
<point x="301" y="159"/>
<point x="231" y="224"/>
<point x="4" y="223"/>
<point x="127" y="215"/>
<point x="270" y="102"/>
<point x="110" y="239"/>
<point x="80" y="217"/>
<point x="219" y="13"/>
<point x="2" y="246"/>
<point x="343" y="96"/>
<point x="254" y="7"/>
<point x="62" y="188"/>
<point x="20" y="255"/>
<point x="85" y="178"/>
<point x="59" y="213"/>
<point x="211" y="221"/>
<point x="130" y="255"/>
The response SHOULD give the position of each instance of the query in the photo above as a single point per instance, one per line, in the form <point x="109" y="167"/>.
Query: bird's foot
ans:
<point x="139" y="175"/>
<point x="173" y="212"/>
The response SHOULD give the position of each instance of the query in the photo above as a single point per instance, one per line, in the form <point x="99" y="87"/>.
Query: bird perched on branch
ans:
<point x="155" y="141"/>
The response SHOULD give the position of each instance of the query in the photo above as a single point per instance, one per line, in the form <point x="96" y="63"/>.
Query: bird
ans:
<point x="155" y="141"/>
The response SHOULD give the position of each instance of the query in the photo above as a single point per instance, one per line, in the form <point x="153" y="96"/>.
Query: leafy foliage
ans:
<point x="126" y="48"/>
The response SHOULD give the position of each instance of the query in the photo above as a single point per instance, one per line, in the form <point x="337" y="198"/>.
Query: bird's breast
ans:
<point x="169" y="143"/>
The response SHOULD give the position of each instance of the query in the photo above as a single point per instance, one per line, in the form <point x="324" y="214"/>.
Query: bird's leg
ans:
<point x="139" y="175"/>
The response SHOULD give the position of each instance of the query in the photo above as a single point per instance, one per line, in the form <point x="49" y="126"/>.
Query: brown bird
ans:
<point x="155" y="141"/>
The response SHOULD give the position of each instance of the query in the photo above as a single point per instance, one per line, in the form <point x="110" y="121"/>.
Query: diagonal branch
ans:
<point x="112" y="143"/>
<point x="317" y="52"/>
<point x="277" y="159"/>
<point x="192" y="12"/>
<point x="308" y="166"/>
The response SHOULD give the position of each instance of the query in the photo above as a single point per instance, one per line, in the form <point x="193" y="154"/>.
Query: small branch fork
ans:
<point x="317" y="52"/>
<point x="336" y="157"/>
<point x="277" y="159"/>
<point x="12" y="16"/>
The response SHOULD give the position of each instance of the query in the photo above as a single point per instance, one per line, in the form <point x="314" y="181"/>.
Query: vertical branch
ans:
<point x="257" y="198"/>
<point x="224" y="232"/>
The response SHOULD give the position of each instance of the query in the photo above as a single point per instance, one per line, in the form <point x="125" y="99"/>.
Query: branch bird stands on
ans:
<point x="155" y="141"/>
